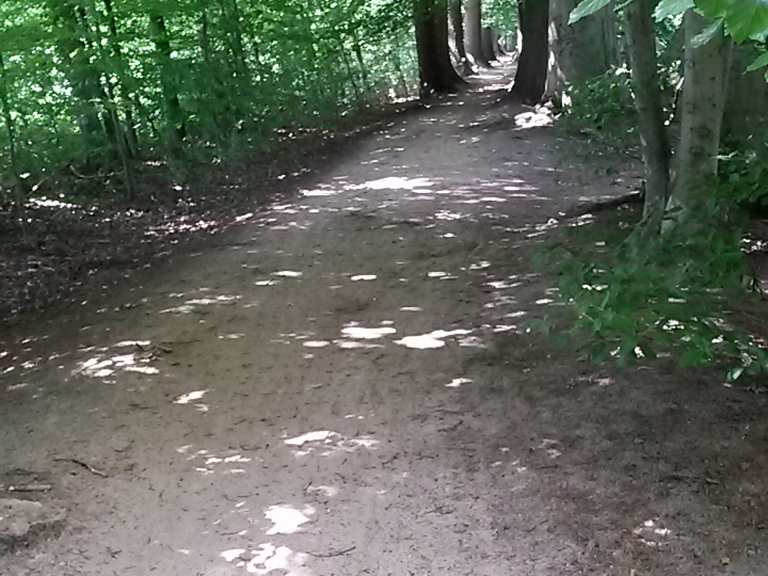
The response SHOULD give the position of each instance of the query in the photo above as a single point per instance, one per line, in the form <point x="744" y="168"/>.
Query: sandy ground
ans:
<point x="344" y="385"/>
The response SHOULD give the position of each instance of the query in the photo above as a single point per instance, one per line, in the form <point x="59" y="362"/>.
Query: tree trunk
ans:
<point x="123" y="81"/>
<point x="84" y="79"/>
<point x="746" y="110"/>
<point x="10" y="126"/>
<point x="360" y="60"/>
<point x="641" y="45"/>
<point x="580" y="51"/>
<point x="704" y="90"/>
<point x="175" y="122"/>
<point x="474" y="33"/>
<point x="531" y="76"/>
<point x="457" y="23"/>
<point x="436" y="71"/>
<point x="488" y="49"/>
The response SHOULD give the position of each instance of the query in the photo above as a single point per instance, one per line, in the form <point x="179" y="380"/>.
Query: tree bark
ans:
<point x="436" y="72"/>
<point x="84" y="79"/>
<point x="531" y="76"/>
<point x="10" y="125"/>
<point x="641" y="45"/>
<point x="474" y="33"/>
<point x="746" y="109"/>
<point x="123" y="81"/>
<point x="457" y="23"/>
<point x="488" y="48"/>
<point x="175" y="121"/>
<point x="580" y="51"/>
<point x="704" y="90"/>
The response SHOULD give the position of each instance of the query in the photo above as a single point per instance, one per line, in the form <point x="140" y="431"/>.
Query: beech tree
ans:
<point x="531" y="76"/>
<point x="436" y="72"/>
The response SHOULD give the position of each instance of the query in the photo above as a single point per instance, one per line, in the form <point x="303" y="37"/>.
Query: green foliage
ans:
<point x="649" y="296"/>
<point x="743" y="19"/>
<point x="501" y="15"/>
<point x="92" y="82"/>
<point x="587" y="8"/>
<point x="743" y="172"/>
<point x="602" y="106"/>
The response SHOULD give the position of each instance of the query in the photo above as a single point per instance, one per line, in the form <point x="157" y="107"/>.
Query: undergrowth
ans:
<point x="637" y="298"/>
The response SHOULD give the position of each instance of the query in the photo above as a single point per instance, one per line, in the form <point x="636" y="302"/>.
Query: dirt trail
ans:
<point x="344" y="385"/>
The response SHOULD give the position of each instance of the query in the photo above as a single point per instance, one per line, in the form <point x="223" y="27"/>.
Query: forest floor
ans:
<point x="344" y="384"/>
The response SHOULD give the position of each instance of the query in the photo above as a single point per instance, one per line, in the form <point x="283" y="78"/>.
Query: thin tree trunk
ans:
<point x="123" y="81"/>
<point x="474" y="33"/>
<point x="85" y="82"/>
<point x="488" y="49"/>
<point x="457" y="23"/>
<point x="436" y="71"/>
<point x="641" y="46"/>
<point x="360" y="60"/>
<point x="531" y="75"/>
<point x="399" y="70"/>
<point x="350" y="72"/>
<point x="176" y="127"/>
<point x="704" y="91"/>
<point x="10" y="126"/>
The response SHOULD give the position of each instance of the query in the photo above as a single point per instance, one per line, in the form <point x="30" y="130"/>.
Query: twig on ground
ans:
<point x="332" y="554"/>
<point x="85" y="465"/>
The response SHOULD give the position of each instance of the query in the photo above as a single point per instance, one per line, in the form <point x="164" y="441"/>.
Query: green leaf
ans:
<point x="707" y="34"/>
<point x="587" y="8"/>
<point x="667" y="8"/>
<point x="743" y="18"/>
<point x="760" y="62"/>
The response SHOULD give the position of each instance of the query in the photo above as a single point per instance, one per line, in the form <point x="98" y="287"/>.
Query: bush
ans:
<point x="661" y="296"/>
<point x="602" y="103"/>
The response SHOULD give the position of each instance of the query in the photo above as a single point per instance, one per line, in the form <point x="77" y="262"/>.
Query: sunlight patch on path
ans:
<point x="329" y="443"/>
<point x="434" y="339"/>
<point x="268" y="559"/>
<point x="355" y="332"/>
<point x="287" y="519"/>
<point x="458" y="382"/>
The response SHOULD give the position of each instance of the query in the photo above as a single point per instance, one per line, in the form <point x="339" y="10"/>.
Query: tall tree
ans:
<point x="86" y="84"/>
<point x="10" y="124"/>
<point x="175" y="121"/>
<point x="457" y="23"/>
<point x="641" y="46"/>
<point x="579" y="51"/>
<point x="474" y="33"/>
<point x="531" y="76"/>
<point x="436" y="71"/>
<point x="707" y="61"/>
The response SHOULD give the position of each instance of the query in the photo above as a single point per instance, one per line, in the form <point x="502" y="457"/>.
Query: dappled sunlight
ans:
<point x="268" y="559"/>
<point x="192" y="398"/>
<point x="534" y="119"/>
<point x="353" y="331"/>
<point x="458" y="382"/>
<point x="431" y="340"/>
<point x="652" y="534"/>
<point x="395" y="183"/>
<point x="327" y="443"/>
<point x="287" y="519"/>
<point x="194" y="304"/>
<point x="208" y="463"/>
<point x="103" y="363"/>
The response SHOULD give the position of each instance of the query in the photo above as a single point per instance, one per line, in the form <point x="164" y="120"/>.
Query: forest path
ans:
<point x="344" y="385"/>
